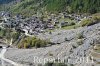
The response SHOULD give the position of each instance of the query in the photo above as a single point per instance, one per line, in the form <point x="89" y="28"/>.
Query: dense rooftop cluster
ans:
<point x="35" y="24"/>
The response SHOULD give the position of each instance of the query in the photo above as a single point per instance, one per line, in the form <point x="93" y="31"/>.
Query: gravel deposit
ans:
<point x="64" y="50"/>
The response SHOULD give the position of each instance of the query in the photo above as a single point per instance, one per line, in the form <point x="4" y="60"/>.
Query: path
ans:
<point x="7" y="60"/>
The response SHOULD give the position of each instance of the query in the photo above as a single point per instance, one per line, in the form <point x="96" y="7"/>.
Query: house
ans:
<point x="62" y="24"/>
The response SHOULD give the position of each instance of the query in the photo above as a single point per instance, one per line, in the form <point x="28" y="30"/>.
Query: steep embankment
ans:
<point x="70" y="49"/>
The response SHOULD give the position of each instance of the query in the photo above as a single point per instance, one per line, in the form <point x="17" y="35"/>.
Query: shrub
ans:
<point x="91" y="21"/>
<point x="80" y="41"/>
<point x="96" y="18"/>
<point x="55" y="64"/>
<point x="74" y="46"/>
<point x="71" y="65"/>
<point x="50" y="54"/>
<point x="80" y="36"/>
<point x="72" y="23"/>
<point x="29" y="42"/>
<point x="15" y="36"/>
<point x="60" y="64"/>
<point x="48" y="64"/>
<point x="2" y="32"/>
<point x="86" y="22"/>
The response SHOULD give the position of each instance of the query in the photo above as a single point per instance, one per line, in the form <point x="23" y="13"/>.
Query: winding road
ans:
<point x="4" y="49"/>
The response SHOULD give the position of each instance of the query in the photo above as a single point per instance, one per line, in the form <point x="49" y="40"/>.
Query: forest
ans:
<point x="51" y="6"/>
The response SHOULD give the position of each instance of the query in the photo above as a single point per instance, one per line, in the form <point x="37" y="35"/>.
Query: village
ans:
<point x="49" y="32"/>
<point x="35" y="24"/>
<point x="70" y="45"/>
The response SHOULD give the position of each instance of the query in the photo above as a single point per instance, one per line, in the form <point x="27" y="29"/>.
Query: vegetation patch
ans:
<point x="80" y="41"/>
<point x="97" y="48"/>
<point x="91" y="21"/>
<point x="9" y="35"/>
<point x="29" y="42"/>
<point x="71" y="27"/>
<point x="55" y="64"/>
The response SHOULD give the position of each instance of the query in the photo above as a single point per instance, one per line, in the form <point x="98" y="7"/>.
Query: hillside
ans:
<point x="32" y="6"/>
<point x="5" y="5"/>
<point x="71" y="50"/>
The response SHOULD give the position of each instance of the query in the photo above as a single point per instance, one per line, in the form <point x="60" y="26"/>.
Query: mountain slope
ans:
<point x="77" y="6"/>
<point x="5" y="5"/>
<point x="66" y="49"/>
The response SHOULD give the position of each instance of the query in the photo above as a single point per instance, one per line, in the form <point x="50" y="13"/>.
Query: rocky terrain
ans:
<point x="69" y="45"/>
<point x="54" y="32"/>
